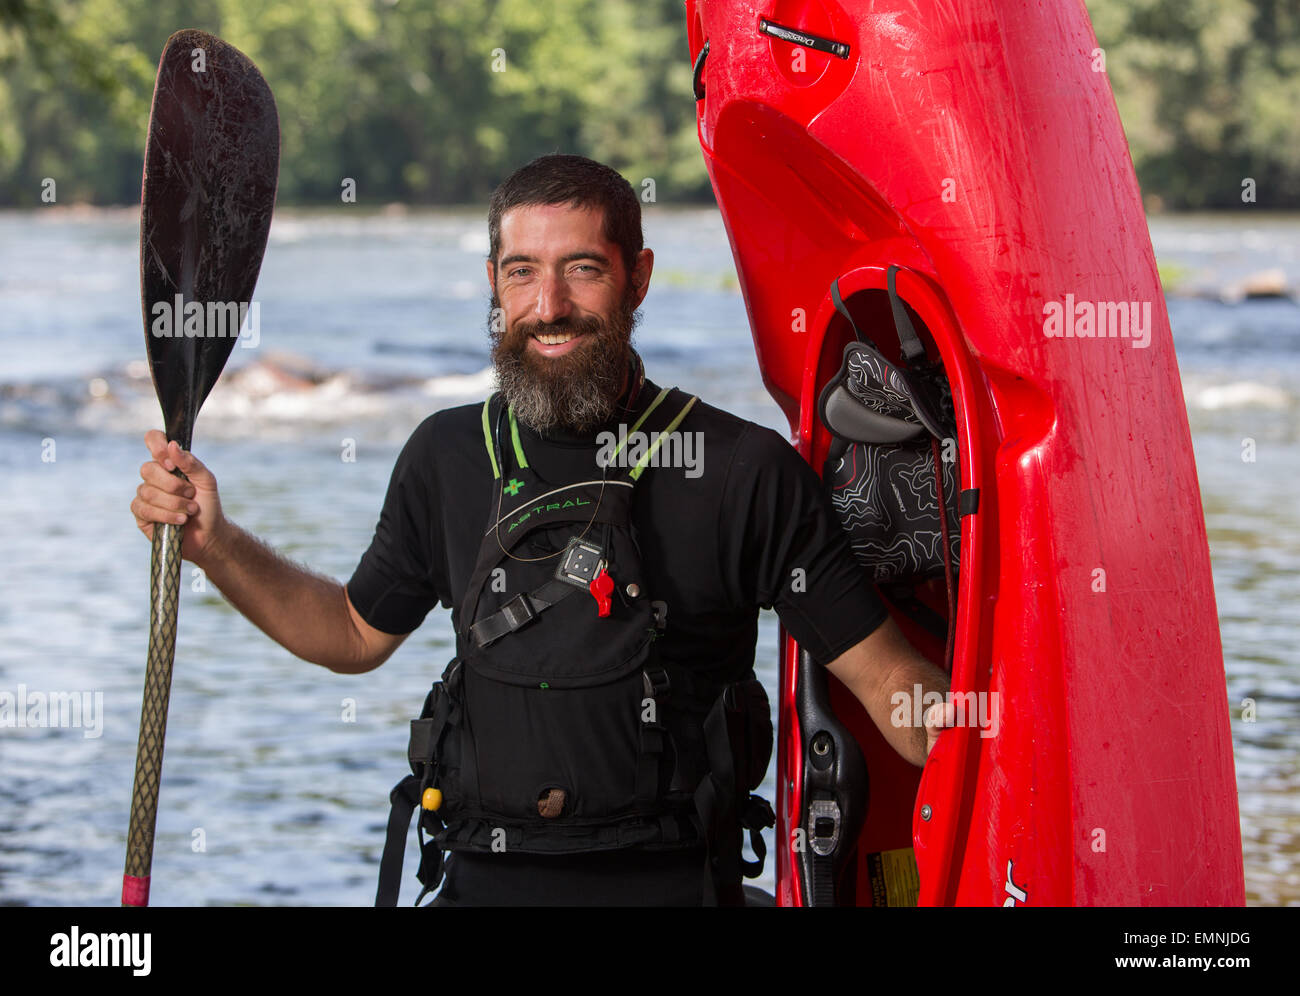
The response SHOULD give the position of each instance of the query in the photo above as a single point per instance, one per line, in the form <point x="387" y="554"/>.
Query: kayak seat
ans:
<point x="891" y="468"/>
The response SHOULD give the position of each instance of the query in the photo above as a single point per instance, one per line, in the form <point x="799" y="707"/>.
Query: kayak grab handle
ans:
<point x="697" y="73"/>
<point x="796" y="37"/>
<point x="835" y="788"/>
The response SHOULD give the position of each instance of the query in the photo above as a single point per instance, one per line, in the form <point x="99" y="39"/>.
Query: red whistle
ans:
<point x="601" y="587"/>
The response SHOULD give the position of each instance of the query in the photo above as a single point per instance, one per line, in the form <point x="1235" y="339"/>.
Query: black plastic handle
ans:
<point x="697" y="73"/>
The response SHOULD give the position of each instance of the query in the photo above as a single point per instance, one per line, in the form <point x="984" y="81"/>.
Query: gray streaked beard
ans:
<point x="577" y="392"/>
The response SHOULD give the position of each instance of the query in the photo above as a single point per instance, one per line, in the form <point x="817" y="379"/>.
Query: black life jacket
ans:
<point x="557" y="729"/>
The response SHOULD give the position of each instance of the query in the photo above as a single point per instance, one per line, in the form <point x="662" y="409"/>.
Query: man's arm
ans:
<point x="878" y="668"/>
<point x="307" y="614"/>
<point x="790" y="532"/>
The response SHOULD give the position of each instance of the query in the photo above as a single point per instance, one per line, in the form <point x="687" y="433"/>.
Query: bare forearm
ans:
<point x="304" y="612"/>
<point x="897" y="709"/>
<point x="895" y="684"/>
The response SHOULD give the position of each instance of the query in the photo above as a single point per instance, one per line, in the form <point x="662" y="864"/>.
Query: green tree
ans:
<point x="435" y="102"/>
<point x="1207" y="91"/>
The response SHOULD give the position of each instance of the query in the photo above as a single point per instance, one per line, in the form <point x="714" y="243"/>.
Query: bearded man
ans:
<point x="601" y="609"/>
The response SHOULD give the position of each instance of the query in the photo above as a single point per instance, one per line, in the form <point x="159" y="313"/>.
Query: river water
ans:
<point x="277" y="772"/>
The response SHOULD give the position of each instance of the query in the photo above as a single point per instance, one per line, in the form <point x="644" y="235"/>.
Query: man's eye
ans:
<point x="518" y="271"/>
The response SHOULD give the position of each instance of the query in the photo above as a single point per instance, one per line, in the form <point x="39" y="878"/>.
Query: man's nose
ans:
<point x="553" y="301"/>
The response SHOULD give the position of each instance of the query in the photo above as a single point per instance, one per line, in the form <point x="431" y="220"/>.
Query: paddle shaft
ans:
<point x="164" y="595"/>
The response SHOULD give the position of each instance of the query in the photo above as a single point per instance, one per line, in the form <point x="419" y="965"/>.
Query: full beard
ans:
<point x="576" y="392"/>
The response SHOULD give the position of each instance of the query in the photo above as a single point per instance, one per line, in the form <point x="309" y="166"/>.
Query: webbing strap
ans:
<point x="647" y="768"/>
<point x="907" y="337"/>
<point x="840" y="306"/>
<point x="520" y="610"/>
<point x="677" y="684"/>
<point x="404" y="798"/>
<point x="520" y="460"/>
<point x="514" y="439"/>
<point x="429" y="874"/>
<point x="947" y="556"/>
<point x="645" y="458"/>
<point x="637" y="424"/>
<point x="487" y="440"/>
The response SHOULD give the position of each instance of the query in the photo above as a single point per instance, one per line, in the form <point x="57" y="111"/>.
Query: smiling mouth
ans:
<point x="555" y="338"/>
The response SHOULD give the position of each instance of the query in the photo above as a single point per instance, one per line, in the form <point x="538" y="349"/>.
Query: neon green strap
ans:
<point x="641" y="464"/>
<point x="487" y="440"/>
<point x="636" y="425"/>
<point x="514" y="438"/>
<point x="645" y="459"/>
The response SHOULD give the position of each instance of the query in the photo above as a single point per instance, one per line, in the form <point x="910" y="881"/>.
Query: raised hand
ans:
<point x="191" y="501"/>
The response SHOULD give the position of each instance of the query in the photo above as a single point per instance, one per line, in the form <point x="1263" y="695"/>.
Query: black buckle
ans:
<point x="518" y="611"/>
<point x="658" y="684"/>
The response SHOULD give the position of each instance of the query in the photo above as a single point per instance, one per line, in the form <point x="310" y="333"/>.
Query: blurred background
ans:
<point x="373" y="315"/>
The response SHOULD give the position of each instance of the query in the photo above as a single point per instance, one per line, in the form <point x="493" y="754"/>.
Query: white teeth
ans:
<point x="555" y="340"/>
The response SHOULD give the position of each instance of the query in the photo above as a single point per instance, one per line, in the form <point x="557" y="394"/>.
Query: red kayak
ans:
<point x="976" y="145"/>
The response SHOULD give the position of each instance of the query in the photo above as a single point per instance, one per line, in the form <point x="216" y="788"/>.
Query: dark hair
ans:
<point x="577" y="181"/>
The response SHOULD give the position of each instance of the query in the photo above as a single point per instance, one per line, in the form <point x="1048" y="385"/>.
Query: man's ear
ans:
<point x="492" y="274"/>
<point x="641" y="270"/>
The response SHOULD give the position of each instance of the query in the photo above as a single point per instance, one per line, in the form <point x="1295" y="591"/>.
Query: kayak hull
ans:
<point x="1096" y="764"/>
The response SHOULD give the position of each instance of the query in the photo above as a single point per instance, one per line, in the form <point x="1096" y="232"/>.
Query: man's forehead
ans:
<point x="531" y="229"/>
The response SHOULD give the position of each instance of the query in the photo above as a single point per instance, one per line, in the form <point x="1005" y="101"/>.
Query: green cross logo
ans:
<point x="513" y="487"/>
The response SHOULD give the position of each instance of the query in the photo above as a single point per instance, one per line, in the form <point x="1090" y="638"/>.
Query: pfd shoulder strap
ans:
<point x="659" y="429"/>
<point x="490" y="442"/>
<point x="657" y="425"/>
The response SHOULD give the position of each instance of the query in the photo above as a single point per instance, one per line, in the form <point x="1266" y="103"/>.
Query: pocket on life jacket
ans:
<point x="434" y="746"/>
<point x="542" y="753"/>
<point x="749" y="724"/>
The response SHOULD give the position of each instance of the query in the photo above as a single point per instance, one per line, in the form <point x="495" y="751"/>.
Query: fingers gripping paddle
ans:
<point x="210" y="170"/>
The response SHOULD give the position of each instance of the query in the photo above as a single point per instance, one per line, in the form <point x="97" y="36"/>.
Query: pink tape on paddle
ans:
<point x="135" y="890"/>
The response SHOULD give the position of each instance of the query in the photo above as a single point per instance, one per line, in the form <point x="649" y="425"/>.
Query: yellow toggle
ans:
<point x="432" y="799"/>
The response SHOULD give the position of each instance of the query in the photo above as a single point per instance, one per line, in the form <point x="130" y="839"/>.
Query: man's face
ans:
<point x="562" y="342"/>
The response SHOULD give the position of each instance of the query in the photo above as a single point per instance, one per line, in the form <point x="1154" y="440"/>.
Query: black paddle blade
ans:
<point x="210" y="171"/>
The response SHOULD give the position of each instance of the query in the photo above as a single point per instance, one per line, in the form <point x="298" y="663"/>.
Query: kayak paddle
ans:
<point x="210" y="170"/>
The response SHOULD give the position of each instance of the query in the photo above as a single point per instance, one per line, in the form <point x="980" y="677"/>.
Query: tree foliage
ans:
<point x="1208" y="91"/>
<point x="435" y="102"/>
